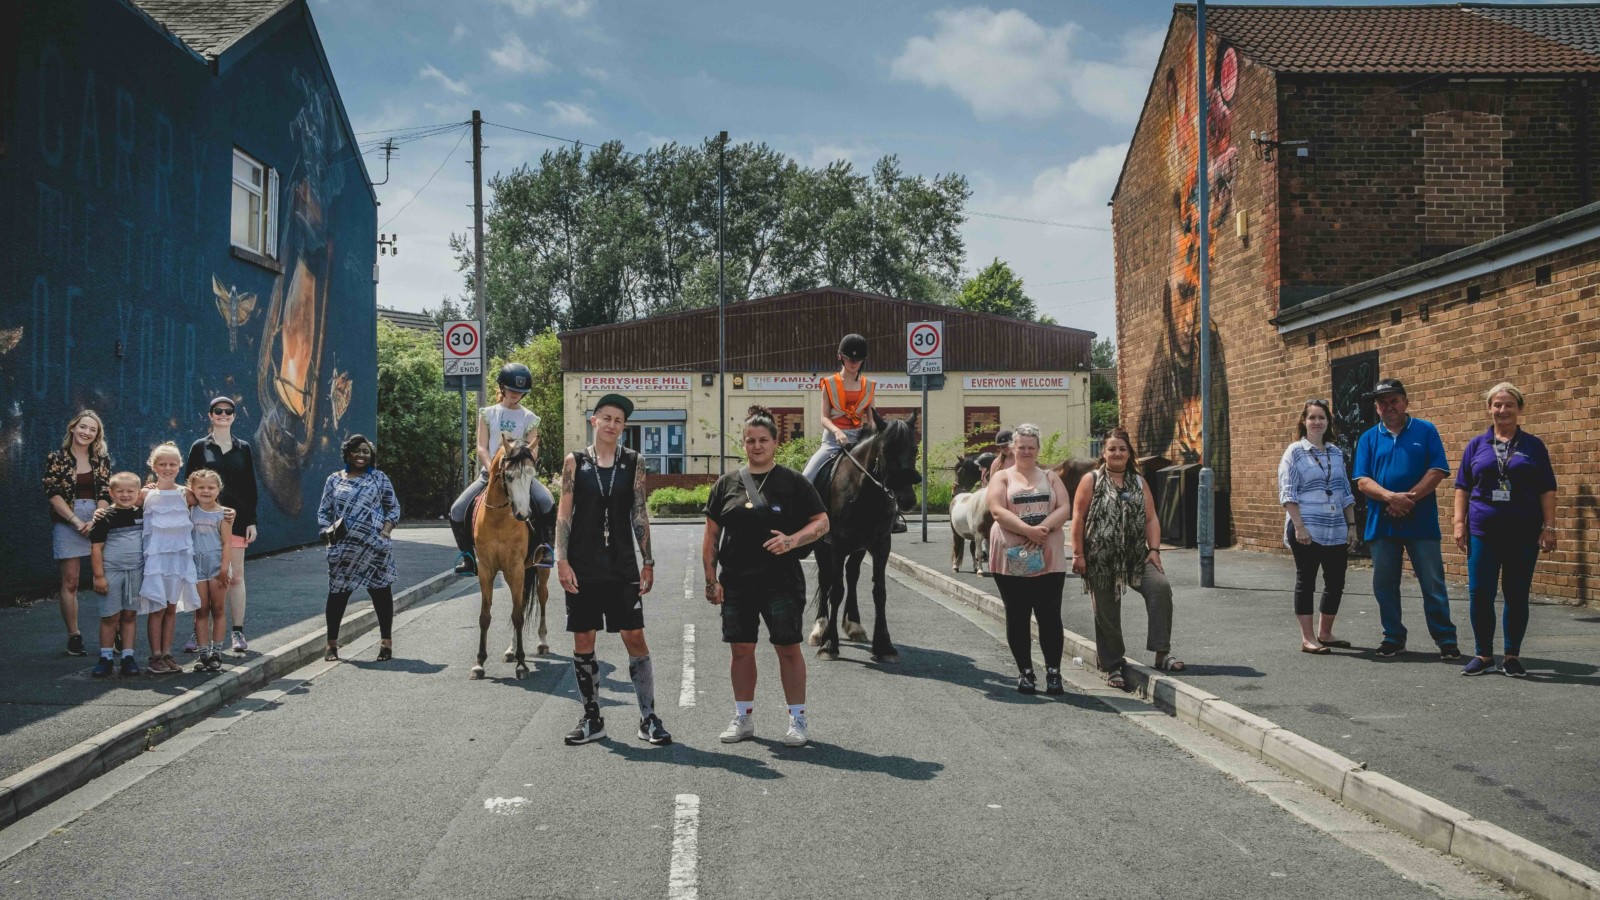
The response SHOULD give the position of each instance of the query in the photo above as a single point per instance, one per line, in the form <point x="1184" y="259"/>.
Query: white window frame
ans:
<point x="268" y="193"/>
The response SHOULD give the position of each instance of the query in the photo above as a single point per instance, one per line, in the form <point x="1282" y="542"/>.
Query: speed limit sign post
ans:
<point x="463" y="371"/>
<point x="925" y="357"/>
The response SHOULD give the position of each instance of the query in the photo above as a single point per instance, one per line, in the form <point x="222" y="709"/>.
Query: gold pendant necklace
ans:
<point x="761" y="485"/>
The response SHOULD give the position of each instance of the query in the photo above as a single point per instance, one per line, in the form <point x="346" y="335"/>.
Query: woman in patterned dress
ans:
<point x="363" y="498"/>
<point x="1116" y="543"/>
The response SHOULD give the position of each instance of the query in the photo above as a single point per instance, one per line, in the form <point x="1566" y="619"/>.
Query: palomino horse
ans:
<point x="868" y="484"/>
<point x="970" y="519"/>
<point x="500" y="531"/>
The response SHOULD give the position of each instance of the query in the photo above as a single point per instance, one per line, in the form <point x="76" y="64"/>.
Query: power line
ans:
<point x="426" y="183"/>
<point x="411" y="128"/>
<point x="563" y="140"/>
<point x="1073" y="281"/>
<point x="1037" y="221"/>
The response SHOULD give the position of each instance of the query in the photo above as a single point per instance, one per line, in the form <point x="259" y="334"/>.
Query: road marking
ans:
<point x="686" y="690"/>
<point x="683" y="876"/>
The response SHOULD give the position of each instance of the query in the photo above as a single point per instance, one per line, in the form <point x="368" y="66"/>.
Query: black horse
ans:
<point x="968" y="473"/>
<point x="868" y="485"/>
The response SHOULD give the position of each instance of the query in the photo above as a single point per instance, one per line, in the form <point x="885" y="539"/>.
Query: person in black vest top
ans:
<point x="601" y="515"/>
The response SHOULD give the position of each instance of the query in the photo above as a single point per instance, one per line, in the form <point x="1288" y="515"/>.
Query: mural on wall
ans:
<point x="1352" y="377"/>
<point x="288" y="373"/>
<point x="1170" y="417"/>
<point x="236" y="307"/>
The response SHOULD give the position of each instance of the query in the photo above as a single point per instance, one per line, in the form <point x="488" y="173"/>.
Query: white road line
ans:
<point x="686" y="690"/>
<point x="683" y="876"/>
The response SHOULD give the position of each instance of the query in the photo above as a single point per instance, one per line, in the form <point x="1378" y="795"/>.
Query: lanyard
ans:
<point x="1502" y="458"/>
<point x="605" y="489"/>
<point x="1325" y="468"/>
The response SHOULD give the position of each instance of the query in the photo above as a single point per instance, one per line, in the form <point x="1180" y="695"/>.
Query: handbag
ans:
<point x="334" y="533"/>
<point x="1020" y="560"/>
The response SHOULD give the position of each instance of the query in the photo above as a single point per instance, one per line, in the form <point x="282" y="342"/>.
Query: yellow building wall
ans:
<point x="1058" y="402"/>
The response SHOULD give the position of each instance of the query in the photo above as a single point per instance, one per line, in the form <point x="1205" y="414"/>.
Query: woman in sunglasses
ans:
<point x="231" y="459"/>
<point x="1314" y="490"/>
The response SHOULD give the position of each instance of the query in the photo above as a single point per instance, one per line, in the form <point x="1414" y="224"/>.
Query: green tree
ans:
<point x="997" y="290"/>
<point x="1103" y="354"/>
<point x="419" y="423"/>
<point x="1104" y="410"/>
<point x="542" y="356"/>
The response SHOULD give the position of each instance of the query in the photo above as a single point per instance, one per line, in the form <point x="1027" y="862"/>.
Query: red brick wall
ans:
<point x="1401" y="171"/>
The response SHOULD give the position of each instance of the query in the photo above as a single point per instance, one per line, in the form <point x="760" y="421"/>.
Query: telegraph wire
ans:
<point x="425" y="184"/>
<point x="1036" y="221"/>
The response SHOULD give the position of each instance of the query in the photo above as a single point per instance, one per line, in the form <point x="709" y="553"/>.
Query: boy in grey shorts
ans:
<point x="117" y="552"/>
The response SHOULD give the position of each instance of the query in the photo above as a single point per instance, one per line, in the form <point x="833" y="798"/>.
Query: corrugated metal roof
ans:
<point x="412" y="321"/>
<point x="210" y="26"/>
<point x="1460" y="38"/>
<point x="800" y="332"/>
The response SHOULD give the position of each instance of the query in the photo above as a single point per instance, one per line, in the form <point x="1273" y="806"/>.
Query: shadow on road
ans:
<point x="954" y="668"/>
<point x="833" y="756"/>
<point x="684" y="755"/>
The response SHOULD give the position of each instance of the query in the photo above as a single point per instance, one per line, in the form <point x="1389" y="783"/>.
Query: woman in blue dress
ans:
<point x="362" y="498"/>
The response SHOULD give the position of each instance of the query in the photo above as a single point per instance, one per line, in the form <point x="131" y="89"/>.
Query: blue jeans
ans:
<point x="1509" y="561"/>
<point x="1428" y="564"/>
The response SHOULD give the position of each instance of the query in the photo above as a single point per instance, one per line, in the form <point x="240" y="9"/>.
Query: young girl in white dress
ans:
<point x="169" y="572"/>
<point x="211" y="562"/>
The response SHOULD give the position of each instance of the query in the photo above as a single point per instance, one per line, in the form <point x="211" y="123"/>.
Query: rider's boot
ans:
<point x="466" y="562"/>
<point x="545" y="553"/>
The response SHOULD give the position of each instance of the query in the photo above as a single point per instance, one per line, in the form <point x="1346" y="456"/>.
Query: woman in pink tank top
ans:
<point x="1027" y="557"/>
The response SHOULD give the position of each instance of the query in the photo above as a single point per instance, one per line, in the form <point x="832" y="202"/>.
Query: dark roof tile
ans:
<point x="209" y="26"/>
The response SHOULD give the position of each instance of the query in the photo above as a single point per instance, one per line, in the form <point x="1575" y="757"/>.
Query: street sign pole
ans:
<point x="463" y="359"/>
<point x="925" y="433"/>
<point x="924" y="360"/>
<point x="466" y="461"/>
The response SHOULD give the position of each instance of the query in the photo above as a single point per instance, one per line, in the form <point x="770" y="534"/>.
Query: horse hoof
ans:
<point x="542" y="649"/>
<point x="477" y="674"/>
<point x="825" y="653"/>
<point x="522" y="672"/>
<point x="511" y="656"/>
<point x="853" y="631"/>
<point x="889" y="658"/>
<point x="815" y="638"/>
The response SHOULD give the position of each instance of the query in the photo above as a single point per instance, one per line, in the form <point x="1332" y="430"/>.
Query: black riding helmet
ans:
<point x="853" y="347"/>
<point x="516" y="377"/>
<point x="1003" y="439"/>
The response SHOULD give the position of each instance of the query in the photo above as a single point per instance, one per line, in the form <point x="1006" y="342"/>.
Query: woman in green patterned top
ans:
<point x="1116" y="543"/>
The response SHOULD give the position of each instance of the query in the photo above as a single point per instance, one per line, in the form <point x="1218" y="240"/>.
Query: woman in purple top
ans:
<point x="1505" y="514"/>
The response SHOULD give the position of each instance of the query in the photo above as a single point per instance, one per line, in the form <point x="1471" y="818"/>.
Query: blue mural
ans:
<point x="120" y="290"/>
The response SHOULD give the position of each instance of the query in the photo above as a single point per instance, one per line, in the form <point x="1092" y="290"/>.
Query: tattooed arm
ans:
<point x="564" y="573"/>
<point x="641" y="526"/>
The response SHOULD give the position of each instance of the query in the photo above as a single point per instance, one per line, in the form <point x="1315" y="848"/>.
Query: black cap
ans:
<point x="1386" y="386"/>
<point x="617" y="400"/>
<point x="1003" y="439"/>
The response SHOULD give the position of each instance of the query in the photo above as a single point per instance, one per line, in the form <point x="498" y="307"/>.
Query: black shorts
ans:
<point x="743" y="608"/>
<point x="616" y="607"/>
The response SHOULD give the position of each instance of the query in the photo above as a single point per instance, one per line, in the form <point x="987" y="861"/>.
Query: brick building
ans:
<point x="1404" y="190"/>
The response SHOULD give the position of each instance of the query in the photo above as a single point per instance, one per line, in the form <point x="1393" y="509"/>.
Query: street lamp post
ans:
<point x="722" y="323"/>
<point x="1205" y="508"/>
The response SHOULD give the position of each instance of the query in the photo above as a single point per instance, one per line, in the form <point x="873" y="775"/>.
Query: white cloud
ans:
<point x="595" y="73"/>
<point x="459" y="33"/>
<point x="572" y="9"/>
<point x="514" y="56"/>
<point x="568" y="113"/>
<point x="450" y="84"/>
<point x="1007" y="64"/>
<point x="516" y="109"/>
<point x="823" y="155"/>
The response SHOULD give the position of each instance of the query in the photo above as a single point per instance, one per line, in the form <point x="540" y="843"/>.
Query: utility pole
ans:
<point x="722" y="324"/>
<point x="480" y="303"/>
<point x="1205" y="507"/>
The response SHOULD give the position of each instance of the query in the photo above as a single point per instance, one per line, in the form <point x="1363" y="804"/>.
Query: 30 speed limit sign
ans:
<point x="463" y="348"/>
<point x="924" y="348"/>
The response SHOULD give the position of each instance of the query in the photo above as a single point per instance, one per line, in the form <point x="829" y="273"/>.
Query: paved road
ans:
<point x="48" y="702"/>
<point x="1522" y="753"/>
<point x="928" y="779"/>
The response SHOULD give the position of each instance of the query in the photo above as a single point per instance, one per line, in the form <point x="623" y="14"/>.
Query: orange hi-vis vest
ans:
<point x="845" y="407"/>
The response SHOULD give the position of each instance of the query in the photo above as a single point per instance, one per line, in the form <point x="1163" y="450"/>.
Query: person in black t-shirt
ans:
<point x="601" y="515"/>
<point x="754" y="540"/>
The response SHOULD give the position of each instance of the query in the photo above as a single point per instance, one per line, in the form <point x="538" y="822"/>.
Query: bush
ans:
<point x="673" y="501"/>
<point x="940" y="492"/>
<point x="419" y="423"/>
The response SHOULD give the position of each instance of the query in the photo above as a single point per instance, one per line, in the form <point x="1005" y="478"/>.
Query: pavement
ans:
<point x="1521" y="753"/>
<point x="48" y="702"/>
<point x="931" y="778"/>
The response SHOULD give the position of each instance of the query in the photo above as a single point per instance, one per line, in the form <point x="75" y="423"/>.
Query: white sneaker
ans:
<point x="742" y="728"/>
<point x="796" y="735"/>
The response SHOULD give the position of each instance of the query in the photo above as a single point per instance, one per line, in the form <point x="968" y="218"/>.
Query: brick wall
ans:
<point x="1401" y="171"/>
<point x="1545" y="339"/>
<point x="690" y="480"/>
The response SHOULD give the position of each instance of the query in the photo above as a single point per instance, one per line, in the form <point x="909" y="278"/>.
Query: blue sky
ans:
<point x="1034" y="103"/>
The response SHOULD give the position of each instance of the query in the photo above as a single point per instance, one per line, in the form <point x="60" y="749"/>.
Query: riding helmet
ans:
<point x="1003" y="438"/>
<point x="516" y="377"/>
<point x="853" y="347"/>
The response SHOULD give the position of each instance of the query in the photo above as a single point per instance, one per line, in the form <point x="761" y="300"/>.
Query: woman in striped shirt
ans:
<point x="1314" y="488"/>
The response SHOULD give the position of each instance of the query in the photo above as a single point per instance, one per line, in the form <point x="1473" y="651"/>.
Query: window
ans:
<point x="255" y="206"/>
<point x="791" y="422"/>
<point x="981" y="424"/>
<point x="658" y="435"/>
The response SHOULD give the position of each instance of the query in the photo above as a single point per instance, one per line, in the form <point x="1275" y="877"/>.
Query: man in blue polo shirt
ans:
<point x="1398" y="464"/>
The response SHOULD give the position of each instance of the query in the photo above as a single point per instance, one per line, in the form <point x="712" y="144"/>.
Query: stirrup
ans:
<point x="547" y="560"/>
<point x="466" y="563"/>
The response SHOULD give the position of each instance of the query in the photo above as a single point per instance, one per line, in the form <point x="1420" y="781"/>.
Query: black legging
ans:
<point x="382" y="601"/>
<point x="1036" y="597"/>
<point x="1332" y="559"/>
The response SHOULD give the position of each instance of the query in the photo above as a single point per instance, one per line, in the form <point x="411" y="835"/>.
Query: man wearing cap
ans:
<point x="600" y="517"/>
<point x="1398" y="464"/>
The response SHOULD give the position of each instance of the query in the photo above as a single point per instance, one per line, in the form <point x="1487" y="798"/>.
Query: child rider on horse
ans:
<point x="504" y="421"/>
<point x="846" y="403"/>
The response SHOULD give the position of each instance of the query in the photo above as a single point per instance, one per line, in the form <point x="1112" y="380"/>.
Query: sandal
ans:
<point x="332" y="655"/>
<point x="1114" y="679"/>
<point x="385" y="652"/>
<point x="1168" y="664"/>
<point x="1318" y="651"/>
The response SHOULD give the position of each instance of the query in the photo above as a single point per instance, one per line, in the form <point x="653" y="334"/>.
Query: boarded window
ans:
<point x="791" y="422"/>
<point x="981" y="424"/>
